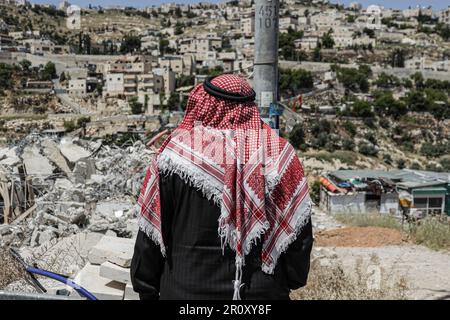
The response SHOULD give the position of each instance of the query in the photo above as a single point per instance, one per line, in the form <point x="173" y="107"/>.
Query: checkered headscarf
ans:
<point x="255" y="177"/>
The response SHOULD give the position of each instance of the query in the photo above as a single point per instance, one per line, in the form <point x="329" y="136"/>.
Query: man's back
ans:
<point x="195" y="267"/>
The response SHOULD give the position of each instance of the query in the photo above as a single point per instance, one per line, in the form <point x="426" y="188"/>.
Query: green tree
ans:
<point x="5" y="76"/>
<point x="297" y="136"/>
<point x="286" y="44"/>
<point x="327" y="40"/>
<point x="178" y="12"/>
<point x="385" y="104"/>
<point x="136" y="107"/>
<point x="174" y="102"/>
<point x="354" y="79"/>
<point x="292" y="81"/>
<point x="25" y="64"/>
<point x="49" y="71"/>
<point x="317" y="54"/>
<point x="130" y="43"/>
<point x="398" y="58"/>
<point x="361" y="109"/>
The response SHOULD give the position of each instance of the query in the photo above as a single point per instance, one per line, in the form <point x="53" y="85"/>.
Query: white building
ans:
<point x="248" y="26"/>
<point x="444" y="16"/>
<point x="77" y="87"/>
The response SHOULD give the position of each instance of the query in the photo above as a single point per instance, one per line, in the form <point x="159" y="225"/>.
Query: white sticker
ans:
<point x="266" y="99"/>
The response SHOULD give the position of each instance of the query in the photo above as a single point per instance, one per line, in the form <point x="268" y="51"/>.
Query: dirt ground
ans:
<point x="427" y="272"/>
<point x="359" y="237"/>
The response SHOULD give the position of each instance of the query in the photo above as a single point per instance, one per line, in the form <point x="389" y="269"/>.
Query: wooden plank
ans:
<point x="30" y="192"/>
<point x="7" y="207"/>
<point x="25" y="215"/>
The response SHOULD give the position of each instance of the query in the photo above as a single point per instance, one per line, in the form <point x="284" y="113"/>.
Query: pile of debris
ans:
<point x="68" y="186"/>
<point x="69" y="204"/>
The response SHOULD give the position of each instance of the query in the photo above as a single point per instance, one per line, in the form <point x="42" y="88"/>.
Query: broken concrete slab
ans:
<point x="35" y="163"/>
<point x="68" y="255"/>
<point x="112" y="208"/>
<point x="51" y="150"/>
<point x="112" y="249"/>
<point x="83" y="170"/>
<point x="63" y="184"/>
<point x="130" y="294"/>
<point x="102" y="288"/>
<point x="72" y="152"/>
<point x="114" y="272"/>
<point x="8" y="157"/>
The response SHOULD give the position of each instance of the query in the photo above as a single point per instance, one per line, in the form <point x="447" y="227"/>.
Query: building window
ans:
<point x="420" y="203"/>
<point x="435" y="203"/>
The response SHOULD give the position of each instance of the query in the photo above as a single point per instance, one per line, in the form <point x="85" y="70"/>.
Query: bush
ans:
<point x="70" y="125"/>
<point x="348" y="144"/>
<point x="367" y="149"/>
<point x="445" y="163"/>
<point x="415" y="166"/>
<point x="435" y="150"/>
<point x="401" y="164"/>
<point x="350" y="127"/>
<point x="387" y="158"/>
<point x="327" y="280"/>
<point x="315" y="192"/>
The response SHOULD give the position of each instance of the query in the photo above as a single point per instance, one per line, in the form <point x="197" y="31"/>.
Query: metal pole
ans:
<point x="265" y="74"/>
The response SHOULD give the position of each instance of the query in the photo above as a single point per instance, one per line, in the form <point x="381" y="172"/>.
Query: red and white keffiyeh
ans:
<point x="254" y="176"/>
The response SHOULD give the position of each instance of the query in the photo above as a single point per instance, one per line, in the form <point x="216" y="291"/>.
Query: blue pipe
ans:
<point x="83" y="292"/>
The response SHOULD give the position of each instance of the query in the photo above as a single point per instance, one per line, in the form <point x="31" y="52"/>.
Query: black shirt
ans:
<point x="196" y="267"/>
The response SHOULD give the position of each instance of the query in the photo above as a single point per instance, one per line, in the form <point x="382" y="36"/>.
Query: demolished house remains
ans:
<point x="69" y="205"/>
<point x="386" y="192"/>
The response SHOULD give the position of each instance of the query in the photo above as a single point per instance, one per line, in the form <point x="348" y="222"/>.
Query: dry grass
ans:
<point x="10" y="269"/>
<point x="368" y="220"/>
<point x="328" y="281"/>
<point x="432" y="232"/>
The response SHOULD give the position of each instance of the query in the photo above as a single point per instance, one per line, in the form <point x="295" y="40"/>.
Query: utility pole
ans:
<point x="265" y="71"/>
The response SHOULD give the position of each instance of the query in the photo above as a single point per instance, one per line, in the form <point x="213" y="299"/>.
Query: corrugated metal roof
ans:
<point x="406" y="178"/>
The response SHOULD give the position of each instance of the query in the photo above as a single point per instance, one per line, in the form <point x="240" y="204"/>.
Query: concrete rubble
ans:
<point x="81" y="218"/>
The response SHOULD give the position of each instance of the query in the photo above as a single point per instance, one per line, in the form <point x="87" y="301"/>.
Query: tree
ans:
<point x="25" y="65"/>
<point x="398" y="58"/>
<point x="136" y="107"/>
<point x="361" y="109"/>
<point x="178" y="12"/>
<point x="292" y="82"/>
<point x="286" y="43"/>
<point x="164" y="46"/>
<point x="5" y="76"/>
<point x="386" y="81"/>
<point x="327" y="40"/>
<point x="385" y="104"/>
<point x="369" y="32"/>
<point x="173" y="102"/>
<point x="418" y="80"/>
<point x="297" y="136"/>
<point x="317" y="55"/>
<point x="354" y="79"/>
<point x="179" y="28"/>
<point x="184" y="80"/>
<point x="48" y="72"/>
<point x="130" y="44"/>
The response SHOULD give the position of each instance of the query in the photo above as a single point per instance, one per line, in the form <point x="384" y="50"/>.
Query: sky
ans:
<point x="401" y="4"/>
